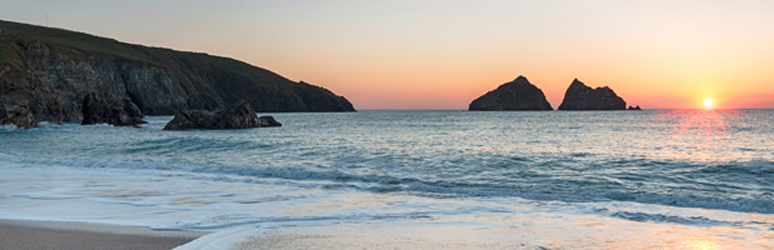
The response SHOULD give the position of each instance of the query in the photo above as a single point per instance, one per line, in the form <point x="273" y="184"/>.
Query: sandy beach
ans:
<point x="18" y="234"/>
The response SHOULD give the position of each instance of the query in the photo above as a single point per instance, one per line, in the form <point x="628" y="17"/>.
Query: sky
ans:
<point x="443" y="54"/>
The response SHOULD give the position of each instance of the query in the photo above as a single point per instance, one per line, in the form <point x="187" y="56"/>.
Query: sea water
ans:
<point x="634" y="179"/>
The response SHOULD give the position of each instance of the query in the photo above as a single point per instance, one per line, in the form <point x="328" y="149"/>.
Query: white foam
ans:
<point x="225" y="239"/>
<point x="8" y="127"/>
<point x="526" y="231"/>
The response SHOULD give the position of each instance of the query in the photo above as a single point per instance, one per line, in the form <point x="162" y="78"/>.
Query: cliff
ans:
<point x="519" y="94"/>
<point x="46" y="74"/>
<point x="582" y="97"/>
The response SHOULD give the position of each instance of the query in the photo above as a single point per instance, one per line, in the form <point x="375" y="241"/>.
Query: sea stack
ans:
<point x="517" y="95"/>
<point x="582" y="97"/>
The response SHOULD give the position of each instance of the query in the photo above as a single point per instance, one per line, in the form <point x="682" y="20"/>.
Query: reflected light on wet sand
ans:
<point x="700" y="245"/>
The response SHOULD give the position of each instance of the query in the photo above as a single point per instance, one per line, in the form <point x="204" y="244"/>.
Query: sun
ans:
<point x="708" y="103"/>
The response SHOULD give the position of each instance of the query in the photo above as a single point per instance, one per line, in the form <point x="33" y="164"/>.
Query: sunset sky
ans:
<point x="444" y="54"/>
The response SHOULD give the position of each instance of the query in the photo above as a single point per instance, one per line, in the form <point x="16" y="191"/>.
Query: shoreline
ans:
<point x="29" y="234"/>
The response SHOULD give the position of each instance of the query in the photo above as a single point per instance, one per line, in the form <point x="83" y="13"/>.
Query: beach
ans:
<point x="22" y="234"/>
<point x="542" y="234"/>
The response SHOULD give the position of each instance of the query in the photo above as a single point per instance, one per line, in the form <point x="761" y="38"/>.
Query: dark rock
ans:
<point x="236" y="116"/>
<point x="634" y="108"/>
<point x="26" y="95"/>
<point x="268" y="121"/>
<point x="516" y="95"/>
<point x="17" y="115"/>
<point x="106" y="108"/>
<point x="47" y="73"/>
<point x="582" y="97"/>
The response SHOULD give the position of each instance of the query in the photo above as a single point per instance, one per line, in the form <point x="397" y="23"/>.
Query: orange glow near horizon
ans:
<point x="708" y="104"/>
<point x="424" y="55"/>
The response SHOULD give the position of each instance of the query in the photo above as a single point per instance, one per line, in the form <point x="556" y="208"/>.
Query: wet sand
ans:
<point x="18" y="234"/>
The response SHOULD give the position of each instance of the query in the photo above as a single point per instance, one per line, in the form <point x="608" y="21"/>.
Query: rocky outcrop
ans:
<point x="17" y="115"/>
<point x="634" y="108"/>
<point x="516" y="95"/>
<point x="46" y="74"/>
<point x="26" y="95"/>
<point x="106" y="108"/>
<point x="582" y="97"/>
<point x="268" y="121"/>
<point x="236" y="116"/>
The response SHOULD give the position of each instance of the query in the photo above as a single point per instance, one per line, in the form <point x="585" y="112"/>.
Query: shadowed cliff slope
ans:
<point x="46" y="73"/>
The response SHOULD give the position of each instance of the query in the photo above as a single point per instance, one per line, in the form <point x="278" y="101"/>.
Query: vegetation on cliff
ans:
<point x="46" y="74"/>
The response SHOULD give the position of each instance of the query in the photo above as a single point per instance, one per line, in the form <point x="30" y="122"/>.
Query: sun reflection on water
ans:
<point x="705" y="123"/>
<point x="704" y="132"/>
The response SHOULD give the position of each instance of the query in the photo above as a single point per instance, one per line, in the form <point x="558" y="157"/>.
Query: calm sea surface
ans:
<point x="710" y="173"/>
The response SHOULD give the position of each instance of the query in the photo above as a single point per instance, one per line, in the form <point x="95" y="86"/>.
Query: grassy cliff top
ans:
<point x="73" y="40"/>
<point x="65" y="40"/>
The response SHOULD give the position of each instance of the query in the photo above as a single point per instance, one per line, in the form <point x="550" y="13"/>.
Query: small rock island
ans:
<point x="519" y="95"/>
<point x="237" y="116"/>
<point x="582" y="97"/>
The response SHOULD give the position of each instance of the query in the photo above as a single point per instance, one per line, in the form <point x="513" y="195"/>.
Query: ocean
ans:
<point x="550" y="180"/>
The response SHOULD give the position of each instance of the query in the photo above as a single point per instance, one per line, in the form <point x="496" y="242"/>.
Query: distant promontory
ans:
<point x="55" y="75"/>
<point x="519" y="94"/>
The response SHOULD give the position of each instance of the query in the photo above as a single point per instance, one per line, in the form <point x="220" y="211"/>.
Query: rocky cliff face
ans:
<point x="46" y="74"/>
<point x="582" y="97"/>
<point x="516" y="95"/>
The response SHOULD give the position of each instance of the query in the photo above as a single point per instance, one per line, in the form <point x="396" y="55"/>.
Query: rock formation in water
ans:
<point x="516" y="95"/>
<point x="634" y="108"/>
<point x="237" y="116"/>
<point x="46" y="75"/>
<point x="106" y="108"/>
<point x="582" y="97"/>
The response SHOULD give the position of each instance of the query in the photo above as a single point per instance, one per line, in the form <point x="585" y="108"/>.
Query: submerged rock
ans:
<point x="237" y="116"/>
<point x="106" y="108"/>
<point x="582" y="97"/>
<point x="519" y="94"/>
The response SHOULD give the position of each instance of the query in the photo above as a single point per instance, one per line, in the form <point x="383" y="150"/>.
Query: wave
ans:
<point x="733" y="186"/>
<point x="643" y="217"/>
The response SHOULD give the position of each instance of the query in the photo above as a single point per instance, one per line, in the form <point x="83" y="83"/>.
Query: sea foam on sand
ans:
<point x="445" y="235"/>
<point x="247" y="214"/>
